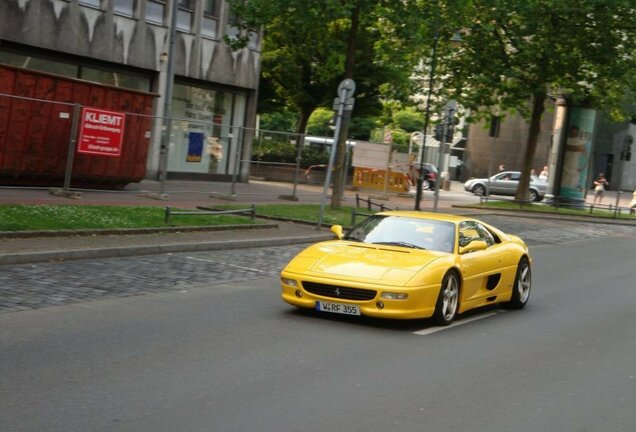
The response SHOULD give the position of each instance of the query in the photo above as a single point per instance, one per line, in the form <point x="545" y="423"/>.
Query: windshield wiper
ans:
<point x="354" y="239"/>
<point x="400" y="243"/>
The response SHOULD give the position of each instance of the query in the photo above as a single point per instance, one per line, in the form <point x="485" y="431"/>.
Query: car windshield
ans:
<point x="407" y="232"/>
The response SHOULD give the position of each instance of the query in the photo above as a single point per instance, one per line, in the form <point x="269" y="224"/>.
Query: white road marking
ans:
<point x="432" y="330"/>
<point x="229" y="265"/>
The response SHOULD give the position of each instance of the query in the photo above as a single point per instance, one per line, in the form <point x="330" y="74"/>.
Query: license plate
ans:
<point x="339" y="308"/>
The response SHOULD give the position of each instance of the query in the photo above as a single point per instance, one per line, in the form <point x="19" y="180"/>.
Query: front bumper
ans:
<point x="419" y="304"/>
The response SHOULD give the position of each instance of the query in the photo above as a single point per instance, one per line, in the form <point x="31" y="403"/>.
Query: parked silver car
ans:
<point x="506" y="183"/>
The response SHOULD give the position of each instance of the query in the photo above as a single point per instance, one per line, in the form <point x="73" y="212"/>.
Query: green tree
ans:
<point x="408" y="119"/>
<point x="281" y="121"/>
<point x="361" y="127"/>
<point x="319" y="122"/>
<point x="310" y="45"/>
<point x="515" y="54"/>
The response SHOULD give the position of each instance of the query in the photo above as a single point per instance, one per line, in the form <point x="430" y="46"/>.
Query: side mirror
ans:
<point x="337" y="230"/>
<point x="473" y="246"/>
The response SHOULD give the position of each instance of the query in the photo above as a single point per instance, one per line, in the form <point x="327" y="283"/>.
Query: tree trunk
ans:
<point x="301" y="126"/>
<point x="538" y="102"/>
<point x="339" y="178"/>
<point x="303" y="119"/>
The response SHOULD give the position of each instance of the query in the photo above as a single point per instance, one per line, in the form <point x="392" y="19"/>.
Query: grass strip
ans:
<point x="545" y="208"/>
<point x="75" y="217"/>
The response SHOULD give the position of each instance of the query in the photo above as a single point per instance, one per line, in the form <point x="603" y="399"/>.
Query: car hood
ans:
<point x="367" y="263"/>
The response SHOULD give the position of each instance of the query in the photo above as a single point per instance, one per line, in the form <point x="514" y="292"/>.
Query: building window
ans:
<point x="210" y="18"/>
<point x="253" y="39"/>
<point x="155" y="11"/>
<point x="95" y="3"/>
<point x="210" y="8"/>
<point x="39" y="64"/>
<point x="206" y="136"/>
<point x="184" y="16"/>
<point x="115" y="79"/>
<point x="124" y="7"/>
<point x="233" y="29"/>
<point x="208" y="27"/>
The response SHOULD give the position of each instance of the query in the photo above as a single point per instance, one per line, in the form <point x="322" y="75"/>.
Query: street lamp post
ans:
<point x="427" y="113"/>
<point x="167" y="111"/>
<point x="447" y="135"/>
<point x="455" y="41"/>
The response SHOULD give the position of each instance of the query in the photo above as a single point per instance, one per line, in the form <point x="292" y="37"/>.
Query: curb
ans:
<point x="551" y="216"/>
<point x="129" y="231"/>
<point x="93" y="253"/>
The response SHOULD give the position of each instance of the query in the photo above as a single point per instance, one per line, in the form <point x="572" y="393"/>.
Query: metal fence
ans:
<point x="74" y="147"/>
<point x="57" y="144"/>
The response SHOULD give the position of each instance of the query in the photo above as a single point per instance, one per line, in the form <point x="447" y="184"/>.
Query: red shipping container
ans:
<point x="35" y="132"/>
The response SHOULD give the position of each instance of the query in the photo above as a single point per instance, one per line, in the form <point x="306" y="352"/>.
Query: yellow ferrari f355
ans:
<point x="407" y="265"/>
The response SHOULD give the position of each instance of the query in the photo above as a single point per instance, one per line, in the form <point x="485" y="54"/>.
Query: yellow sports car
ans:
<point x="407" y="264"/>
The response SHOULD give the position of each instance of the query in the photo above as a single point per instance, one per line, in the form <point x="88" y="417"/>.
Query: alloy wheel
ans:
<point x="450" y="298"/>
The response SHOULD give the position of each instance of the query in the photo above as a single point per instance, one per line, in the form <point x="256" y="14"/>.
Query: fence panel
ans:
<point x="34" y="139"/>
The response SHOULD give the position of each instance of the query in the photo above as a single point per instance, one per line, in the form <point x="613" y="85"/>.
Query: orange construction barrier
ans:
<point x="372" y="178"/>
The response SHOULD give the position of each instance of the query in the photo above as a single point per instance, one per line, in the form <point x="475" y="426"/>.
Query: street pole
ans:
<point x="495" y="122"/>
<point x="411" y="157"/>
<point x="448" y="121"/>
<point x="388" y="139"/>
<point x="167" y="111"/>
<point x="427" y="113"/>
<point x="342" y="103"/>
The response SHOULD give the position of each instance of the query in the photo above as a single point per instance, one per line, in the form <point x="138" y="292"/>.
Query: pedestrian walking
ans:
<point x="599" y="187"/>
<point x="543" y="175"/>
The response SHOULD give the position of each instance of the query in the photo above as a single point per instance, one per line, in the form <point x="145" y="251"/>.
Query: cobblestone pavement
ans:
<point x="33" y="286"/>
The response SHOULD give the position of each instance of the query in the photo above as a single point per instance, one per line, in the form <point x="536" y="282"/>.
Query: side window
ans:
<point x="471" y="230"/>
<point x="515" y="176"/>
<point x="484" y="234"/>
<point x="467" y="233"/>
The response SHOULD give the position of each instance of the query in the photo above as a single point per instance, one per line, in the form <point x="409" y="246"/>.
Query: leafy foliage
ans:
<point x="284" y="152"/>
<point x="282" y="120"/>
<point x="409" y="120"/>
<point x="516" y="54"/>
<point x="306" y="50"/>
<point x="319" y="122"/>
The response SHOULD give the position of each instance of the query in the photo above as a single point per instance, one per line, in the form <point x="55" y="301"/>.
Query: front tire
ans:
<point x="448" y="300"/>
<point x="521" y="288"/>
<point x="479" y="190"/>
<point x="533" y="195"/>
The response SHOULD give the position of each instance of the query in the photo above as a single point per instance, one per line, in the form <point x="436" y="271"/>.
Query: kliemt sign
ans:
<point x="101" y="132"/>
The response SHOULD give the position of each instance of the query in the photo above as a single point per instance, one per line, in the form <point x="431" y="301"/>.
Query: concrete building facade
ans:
<point x="125" y="43"/>
<point x="608" y="147"/>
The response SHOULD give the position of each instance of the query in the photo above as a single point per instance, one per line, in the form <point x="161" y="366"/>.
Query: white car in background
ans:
<point x="506" y="183"/>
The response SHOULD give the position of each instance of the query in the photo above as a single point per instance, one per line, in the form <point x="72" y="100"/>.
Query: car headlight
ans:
<point x="289" y="282"/>
<point x="394" y="296"/>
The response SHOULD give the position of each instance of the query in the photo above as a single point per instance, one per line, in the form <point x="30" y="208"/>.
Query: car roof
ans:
<point x="444" y="217"/>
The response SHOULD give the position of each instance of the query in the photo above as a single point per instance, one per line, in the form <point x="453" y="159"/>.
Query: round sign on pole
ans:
<point x="348" y="85"/>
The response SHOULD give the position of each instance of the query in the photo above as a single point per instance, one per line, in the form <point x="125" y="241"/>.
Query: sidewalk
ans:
<point x="190" y="194"/>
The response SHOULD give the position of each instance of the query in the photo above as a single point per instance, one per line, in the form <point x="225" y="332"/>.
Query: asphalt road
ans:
<point x="227" y="355"/>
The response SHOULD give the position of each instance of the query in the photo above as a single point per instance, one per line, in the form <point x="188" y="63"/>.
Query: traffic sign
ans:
<point x="348" y="104"/>
<point x="347" y="85"/>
